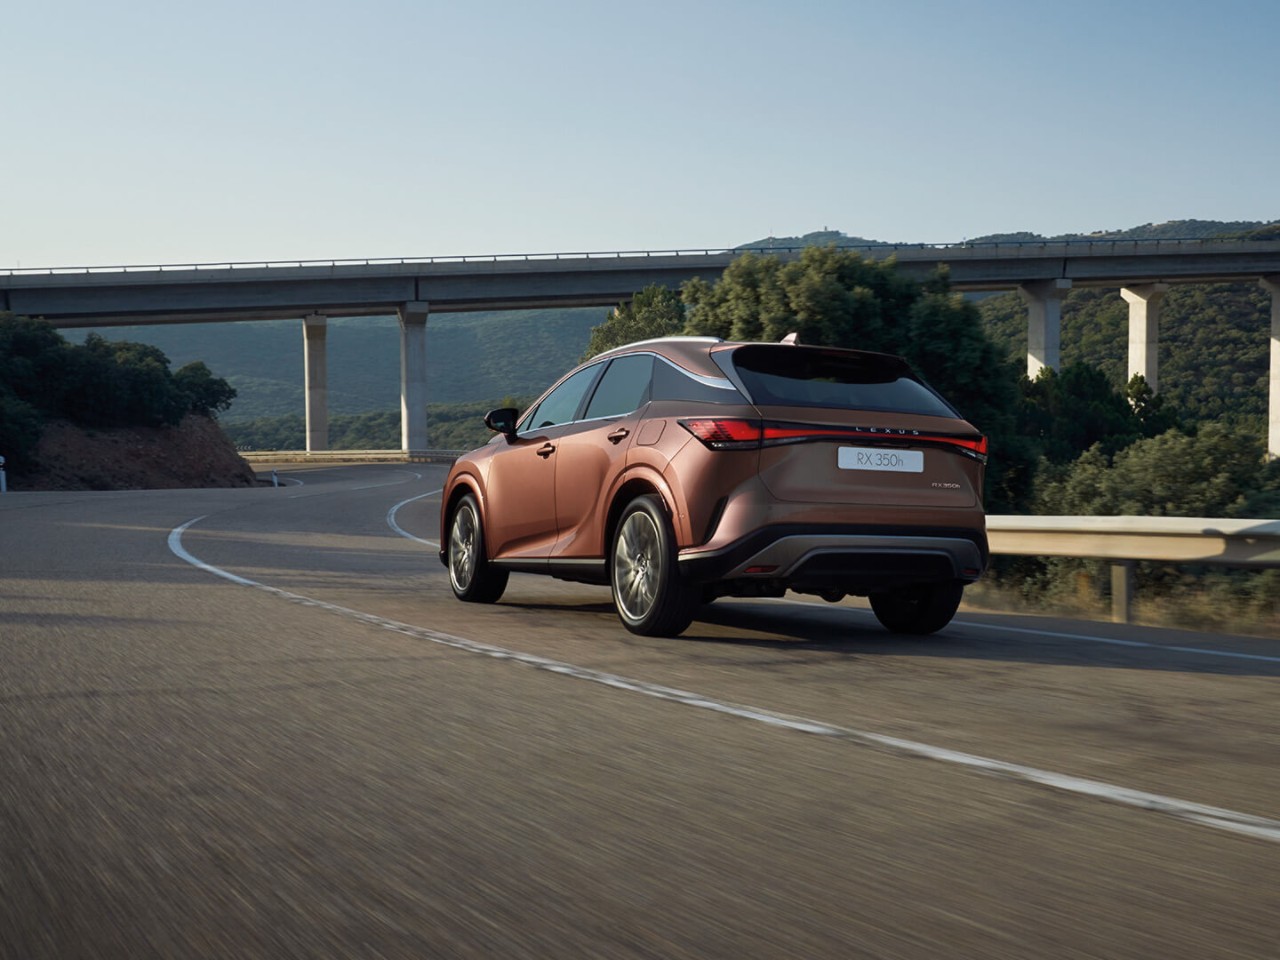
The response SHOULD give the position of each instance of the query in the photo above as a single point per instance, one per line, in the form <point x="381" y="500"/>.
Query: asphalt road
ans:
<point x="331" y="757"/>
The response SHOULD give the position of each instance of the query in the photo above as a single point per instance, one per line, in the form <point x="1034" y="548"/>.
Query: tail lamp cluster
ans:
<point x="733" y="433"/>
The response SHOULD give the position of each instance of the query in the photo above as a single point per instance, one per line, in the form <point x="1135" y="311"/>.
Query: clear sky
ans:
<point x="177" y="132"/>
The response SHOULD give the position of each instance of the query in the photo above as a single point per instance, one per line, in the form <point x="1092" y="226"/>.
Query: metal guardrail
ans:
<point x="1103" y="244"/>
<point x="1250" y="543"/>
<point x="351" y="456"/>
<point x="1125" y="540"/>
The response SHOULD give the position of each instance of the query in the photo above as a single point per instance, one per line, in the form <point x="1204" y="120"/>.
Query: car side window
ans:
<point x="562" y="403"/>
<point x="623" y="388"/>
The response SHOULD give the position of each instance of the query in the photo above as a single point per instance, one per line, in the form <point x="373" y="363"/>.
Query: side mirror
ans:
<point x="503" y="421"/>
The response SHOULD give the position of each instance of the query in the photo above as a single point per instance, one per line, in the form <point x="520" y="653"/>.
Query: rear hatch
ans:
<point x="842" y="426"/>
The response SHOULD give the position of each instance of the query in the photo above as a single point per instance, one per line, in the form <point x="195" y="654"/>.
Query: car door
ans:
<point x="593" y="451"/>
<point x="520" y="520"/>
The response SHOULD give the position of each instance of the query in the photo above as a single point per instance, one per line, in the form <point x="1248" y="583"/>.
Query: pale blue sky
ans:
<point x="174" y="132"/>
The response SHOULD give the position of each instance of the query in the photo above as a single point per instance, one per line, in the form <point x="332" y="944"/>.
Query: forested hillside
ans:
<point x="1214" y="345"/>
<point x="471" y="357"/>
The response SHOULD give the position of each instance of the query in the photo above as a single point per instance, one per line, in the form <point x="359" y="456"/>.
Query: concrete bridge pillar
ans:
<point x="1272" y="286"/>
<point x="314" y="332"/>
<point x="1144" y="330"/>
<point x="1044" y="323"/>
<point x="413" y="375"/>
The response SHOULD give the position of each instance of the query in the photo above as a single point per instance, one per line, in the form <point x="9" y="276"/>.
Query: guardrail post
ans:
<point x="1122" y="592"/>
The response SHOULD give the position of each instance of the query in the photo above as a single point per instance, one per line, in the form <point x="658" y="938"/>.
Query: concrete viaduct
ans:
<point x="312" y="291"/>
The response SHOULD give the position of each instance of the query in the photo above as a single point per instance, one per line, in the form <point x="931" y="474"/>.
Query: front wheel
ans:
<point x="651" y="596"/>
<point x="471" y="575"/>
<point x="919" y="608"/>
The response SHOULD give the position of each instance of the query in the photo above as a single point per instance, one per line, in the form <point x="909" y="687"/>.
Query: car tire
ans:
<point x="920" y="608"/>
<point x="471" y="576"/>
<point x="651" y="596"/>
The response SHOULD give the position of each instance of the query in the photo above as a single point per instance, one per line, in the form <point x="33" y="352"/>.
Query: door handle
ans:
<point x="618" y="435"/>
<point x="546" y="450"/>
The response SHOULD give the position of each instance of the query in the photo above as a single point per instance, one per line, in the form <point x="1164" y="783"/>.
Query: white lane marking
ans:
<point x="1110" y="641"/>
<point x="374" y="486"/>
<point x="1264" y="828"/>
<point x="391" y="518"/>
<point x="1115" y="641"/>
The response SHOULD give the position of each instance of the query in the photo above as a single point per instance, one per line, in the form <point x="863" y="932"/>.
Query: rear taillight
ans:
<point x="733" y="433"/>
<point x="973" y="445"/>
<point x="725" y="433"/>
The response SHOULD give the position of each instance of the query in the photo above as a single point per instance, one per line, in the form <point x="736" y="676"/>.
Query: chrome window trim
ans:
<point x="715" y="383"/>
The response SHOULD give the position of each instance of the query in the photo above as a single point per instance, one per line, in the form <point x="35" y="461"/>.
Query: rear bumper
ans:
<point x="857" y="559"/>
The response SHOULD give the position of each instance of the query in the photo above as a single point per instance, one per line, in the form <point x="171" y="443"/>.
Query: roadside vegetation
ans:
<point x="97" y="384"/>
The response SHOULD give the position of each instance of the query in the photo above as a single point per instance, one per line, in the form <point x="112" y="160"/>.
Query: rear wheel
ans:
<point x="919" y="608"/>
<point x="471" y="575"/>
<point x="651" y="597"/>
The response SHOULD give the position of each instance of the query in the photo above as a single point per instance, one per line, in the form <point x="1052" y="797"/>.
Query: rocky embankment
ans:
<point x="195" y="453"/>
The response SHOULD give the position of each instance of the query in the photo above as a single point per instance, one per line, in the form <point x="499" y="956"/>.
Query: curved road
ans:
<point x="257" y="724"/>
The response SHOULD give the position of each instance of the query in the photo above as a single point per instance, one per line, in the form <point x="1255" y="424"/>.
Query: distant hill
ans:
<point x="819" y="238"/>
<point x="1169" y="230"/>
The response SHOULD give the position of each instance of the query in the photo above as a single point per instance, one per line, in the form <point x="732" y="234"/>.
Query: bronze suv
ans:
<point x="684" y="469"/>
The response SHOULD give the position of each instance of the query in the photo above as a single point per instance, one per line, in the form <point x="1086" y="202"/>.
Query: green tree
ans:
<point x="825" y="296"/>
<point x="32" y="358"/>
<point x="20" y="428"/>
<point x="1219" y="471"/>
<point x="1148" y="407"/>
<point x="206" y="394"/>
<point x="1068" y="411"/>
<point x="98" y="384"/>
<point x="653" y="312"/>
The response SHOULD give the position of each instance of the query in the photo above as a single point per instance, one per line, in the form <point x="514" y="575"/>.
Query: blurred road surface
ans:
<point x="331" y="757"/>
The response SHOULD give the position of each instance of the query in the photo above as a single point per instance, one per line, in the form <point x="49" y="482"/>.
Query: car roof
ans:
<point x="694" y="353"/>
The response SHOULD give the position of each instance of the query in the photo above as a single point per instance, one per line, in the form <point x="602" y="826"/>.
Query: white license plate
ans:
<point x="877" y="458"/>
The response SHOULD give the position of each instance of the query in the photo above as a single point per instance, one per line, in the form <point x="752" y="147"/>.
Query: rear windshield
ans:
<point x="798" y="377"/>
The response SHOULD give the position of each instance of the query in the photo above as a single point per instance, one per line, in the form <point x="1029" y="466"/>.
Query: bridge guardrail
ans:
<point x="1089" y="244"/>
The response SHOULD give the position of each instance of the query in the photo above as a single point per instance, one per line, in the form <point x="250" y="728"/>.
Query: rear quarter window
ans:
<point x="672" y="383"/>
<point x="806" y="377"/>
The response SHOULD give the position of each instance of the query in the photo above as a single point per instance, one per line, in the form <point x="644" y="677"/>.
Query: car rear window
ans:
<point x="804" y="377"/>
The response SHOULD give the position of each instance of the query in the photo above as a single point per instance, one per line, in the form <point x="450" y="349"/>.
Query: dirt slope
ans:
<point x="196" y="453"/>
